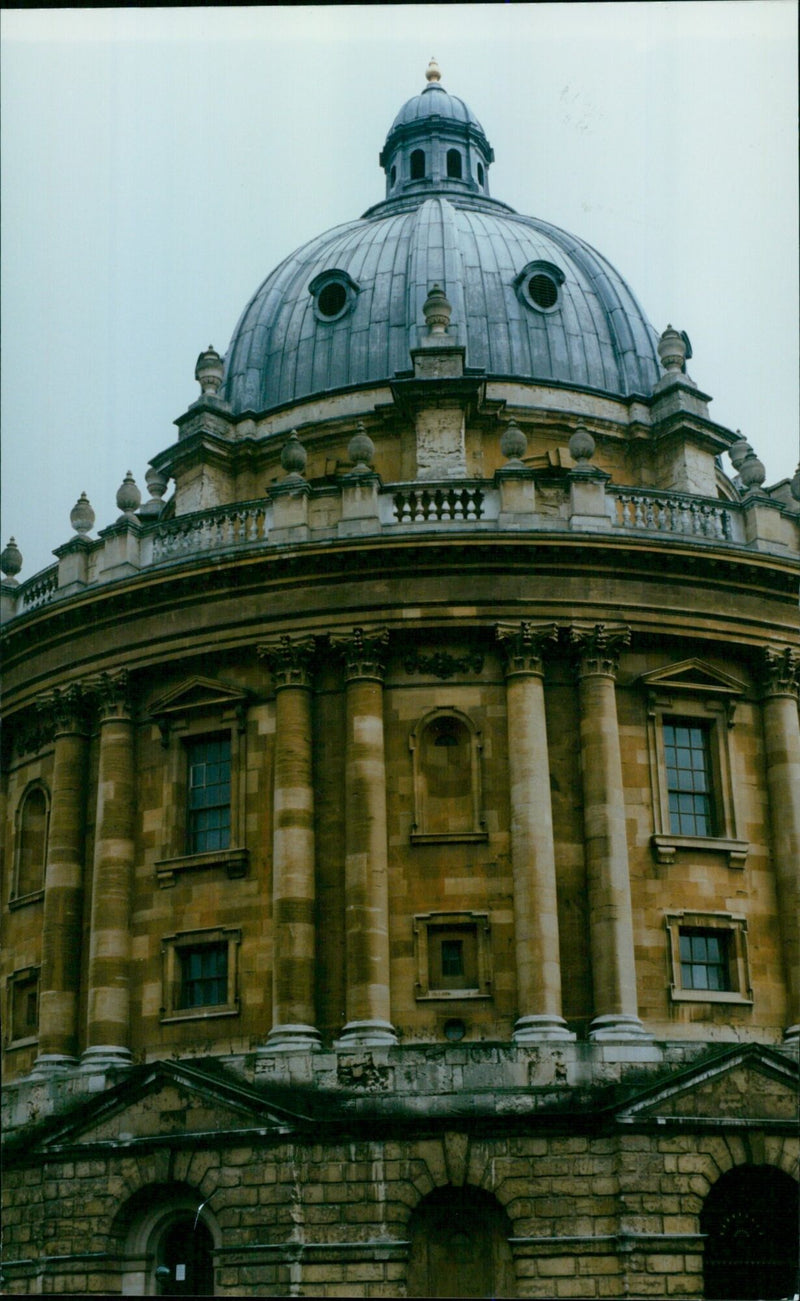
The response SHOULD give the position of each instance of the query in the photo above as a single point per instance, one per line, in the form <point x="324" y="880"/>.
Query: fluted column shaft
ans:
<point x="108" y="1029"/>
<point x="782" y="746"/>
<point x="293" y="856"/>
<point x="59" y="985"/>
<point x="532" y="847"/>
<point x="605" y="839"/>
<point x="366" y="855"/>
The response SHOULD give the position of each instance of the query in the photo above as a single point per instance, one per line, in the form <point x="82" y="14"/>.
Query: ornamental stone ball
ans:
<point x="437" y="310"/>
<point x="752" y="472"/>
<point x="513" y="443"/>
<point x="739" y="450"/>
<point x="294" y="456"/>
<point x="129" y="497"/>
<point x="361" y="449"/>
<point x="581" y="449"/>
<point x="11" y="561"/>
<point x="82" y="517"/>
<point x="672" y="350"/>
<point x="208" y="372"/>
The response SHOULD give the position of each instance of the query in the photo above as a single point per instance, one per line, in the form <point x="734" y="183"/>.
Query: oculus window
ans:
<point x="334" y="294"/>
<point x="538" y="286"/>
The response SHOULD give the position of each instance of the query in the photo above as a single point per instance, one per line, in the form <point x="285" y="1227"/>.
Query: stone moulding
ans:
<point x="234" y="861"/>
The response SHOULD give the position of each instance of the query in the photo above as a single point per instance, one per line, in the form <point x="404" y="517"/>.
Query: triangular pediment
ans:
<point x="161" y="1101"/>
<point x="692" y="675"/>
<point x="197" y="693"/>
<point x="750" y="1082"/>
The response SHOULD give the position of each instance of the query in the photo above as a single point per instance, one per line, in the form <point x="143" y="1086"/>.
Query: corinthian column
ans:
<point x="781" y="679"/>
<point x="293" y="894"/>
<point x="366" y="855"/>
<point x="63" y="895"/>
<point x="532" y="849"/>
<point x="606" y="844"/>
<point x="108" y="1030"/>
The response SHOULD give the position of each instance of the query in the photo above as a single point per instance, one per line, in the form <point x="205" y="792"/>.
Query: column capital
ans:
<point x="290" y="660"/>
<point x="112" y="696"/>
<point x="523" y="644"/>
<point x="598" y="649"/>
<point x="779" y="672"/>
<point x="364" y="653"/>
<point x="66" y="708"/>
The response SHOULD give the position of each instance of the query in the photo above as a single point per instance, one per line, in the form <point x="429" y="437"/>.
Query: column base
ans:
<point x="367" y="1034"/>
<point x="53" y="1064"/>
<point x="541" y="1029"/>
<point x="617" y="1028"/>
<point x="292" y="1039"/>
<point x="105" y="1057"/>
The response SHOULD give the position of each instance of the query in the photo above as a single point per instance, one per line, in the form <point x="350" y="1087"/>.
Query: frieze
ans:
<point x="442" y="664"/>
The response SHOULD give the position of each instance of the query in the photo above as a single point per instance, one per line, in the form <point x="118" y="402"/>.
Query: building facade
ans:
<point x="402" y="819"/>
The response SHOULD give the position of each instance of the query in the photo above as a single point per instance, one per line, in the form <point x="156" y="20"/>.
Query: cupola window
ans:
<point x="393" y="175"/>
<point x="417" y="165"/>
<point x="538" y="285"/>
<point x="454" y="164"/>
<point x="480" y="174"/>
<point x="334" y="293"/>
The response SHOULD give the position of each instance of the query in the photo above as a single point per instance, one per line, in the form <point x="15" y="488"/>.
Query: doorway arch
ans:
<point x="167" y="1238"/>
<point x="459" y="1246"/>
<point x="751" y="1251"/>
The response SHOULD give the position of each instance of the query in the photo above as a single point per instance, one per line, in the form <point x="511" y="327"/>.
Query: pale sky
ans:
<point x="157" y="164"/>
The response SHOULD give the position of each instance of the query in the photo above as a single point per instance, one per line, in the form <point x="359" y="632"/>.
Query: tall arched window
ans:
<point x="752" y="1243"/>
<point x="417" y="164"/>
<point x="454" y="164"/>
<point x="445" y="749"/>
<point x="32" y="822"/>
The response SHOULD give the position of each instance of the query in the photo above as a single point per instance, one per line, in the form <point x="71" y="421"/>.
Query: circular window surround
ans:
<point x="334" y="293"/>
<point x="538" y="286"/>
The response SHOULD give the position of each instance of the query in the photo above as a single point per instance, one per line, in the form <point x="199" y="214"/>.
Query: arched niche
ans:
<point x="446" y="760"/>
<point x="459" y="1246"/>
<point x="33" y="820"/>
<point x="752" y="1247"/>
<point x="167" y="1236"/>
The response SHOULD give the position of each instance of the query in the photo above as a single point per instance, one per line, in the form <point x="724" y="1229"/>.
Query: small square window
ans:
<point x="23" y="1005"/>
<point x="452" y="955"/>
<point x="708" y="958"/>
<point x="200" y="974"/>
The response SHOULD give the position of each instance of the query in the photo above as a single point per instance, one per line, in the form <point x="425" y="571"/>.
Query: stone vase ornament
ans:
<point x="361" y="450"/>
<point x="11" y="561"/>
<point x="581" y="449"/>
<point x="294" y="457"/>
<point x="129" y="498"/>
<point x="513" y="444"/>
<point x="82" y="516"/>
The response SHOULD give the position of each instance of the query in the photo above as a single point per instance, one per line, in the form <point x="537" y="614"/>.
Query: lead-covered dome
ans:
<point x="530" y="302"/>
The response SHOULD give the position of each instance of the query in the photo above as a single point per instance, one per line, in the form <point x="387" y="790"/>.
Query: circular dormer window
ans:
<point x="334" y="293"/>
<point x="538" y="285"/>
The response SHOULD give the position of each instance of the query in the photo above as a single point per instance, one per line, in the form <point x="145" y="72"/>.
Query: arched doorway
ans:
<point x="167" y="1235"/>
<point x="184" y="1261"/>
<point x="751" y="1251"/>
<point x="459" y="1246"/>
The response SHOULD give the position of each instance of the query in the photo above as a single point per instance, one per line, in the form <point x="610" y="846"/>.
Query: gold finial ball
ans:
<point x="432" y="72"/>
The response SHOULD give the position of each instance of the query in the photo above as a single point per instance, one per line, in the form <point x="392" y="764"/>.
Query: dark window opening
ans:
<point x="25" y="1007"/>
<point x="751" y="1251"/>
<point x="688" y="762"/>
<point x="417" y="165"/>
<point x="332" y="298"/>
<point x="453" y="957"/>
<point x="209" y="820"/>
<point x="204" y="975"/>
<point x="480" y="174"/>
<point x="454" y="164"/>
<point x="543" y="291"/>
<point x="185" y="1263"/>
<point x="393" y="175"/>
<point x="705" y="960"/>
<point x="32" y="842"/>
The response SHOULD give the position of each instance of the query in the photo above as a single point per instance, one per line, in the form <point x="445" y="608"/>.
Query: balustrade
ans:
<point x="663" y="513"/>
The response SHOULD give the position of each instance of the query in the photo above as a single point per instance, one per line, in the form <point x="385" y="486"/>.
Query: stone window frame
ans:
<point x="17" y="900"/>
<point x="180" y="725"/>
<point x="734" y="925"/>
<point x="419" y="833"/>
<point x="171" y="983"/>
<point x="477" y="922"/>
<point x="714" y="707"/>
<point x="23" y="976"/>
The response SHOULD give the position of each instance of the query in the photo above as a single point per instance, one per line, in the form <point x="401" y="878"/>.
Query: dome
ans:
<point x="530" y="301"/>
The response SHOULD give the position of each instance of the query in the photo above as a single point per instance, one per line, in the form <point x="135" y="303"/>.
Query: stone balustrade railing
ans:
<point x="394" y="509"/>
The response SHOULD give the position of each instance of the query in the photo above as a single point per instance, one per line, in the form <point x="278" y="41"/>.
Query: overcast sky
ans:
<point x="157" y="164"/>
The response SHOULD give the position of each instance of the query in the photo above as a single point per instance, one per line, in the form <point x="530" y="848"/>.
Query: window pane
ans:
<point x="452" y="958"/>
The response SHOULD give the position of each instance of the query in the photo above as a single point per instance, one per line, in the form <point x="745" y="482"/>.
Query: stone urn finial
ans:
<point x="437" y="311"/>
<point x="752" y="472"/>
<point x="361" y="450"/>
<point x="739" y="451"/>
<point x="581" y="449"/>
<point x="11" y="561"/>
<point x="513" y="443"/>
<point x="208" y="372"/>
<point x="82" y="517"/>
<point x="293" y="457"/>
<point x="672" y="350"/>
<point x="128" y="498"/>
<point x="432" y="72"/>
<point x="156" y="482"/>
